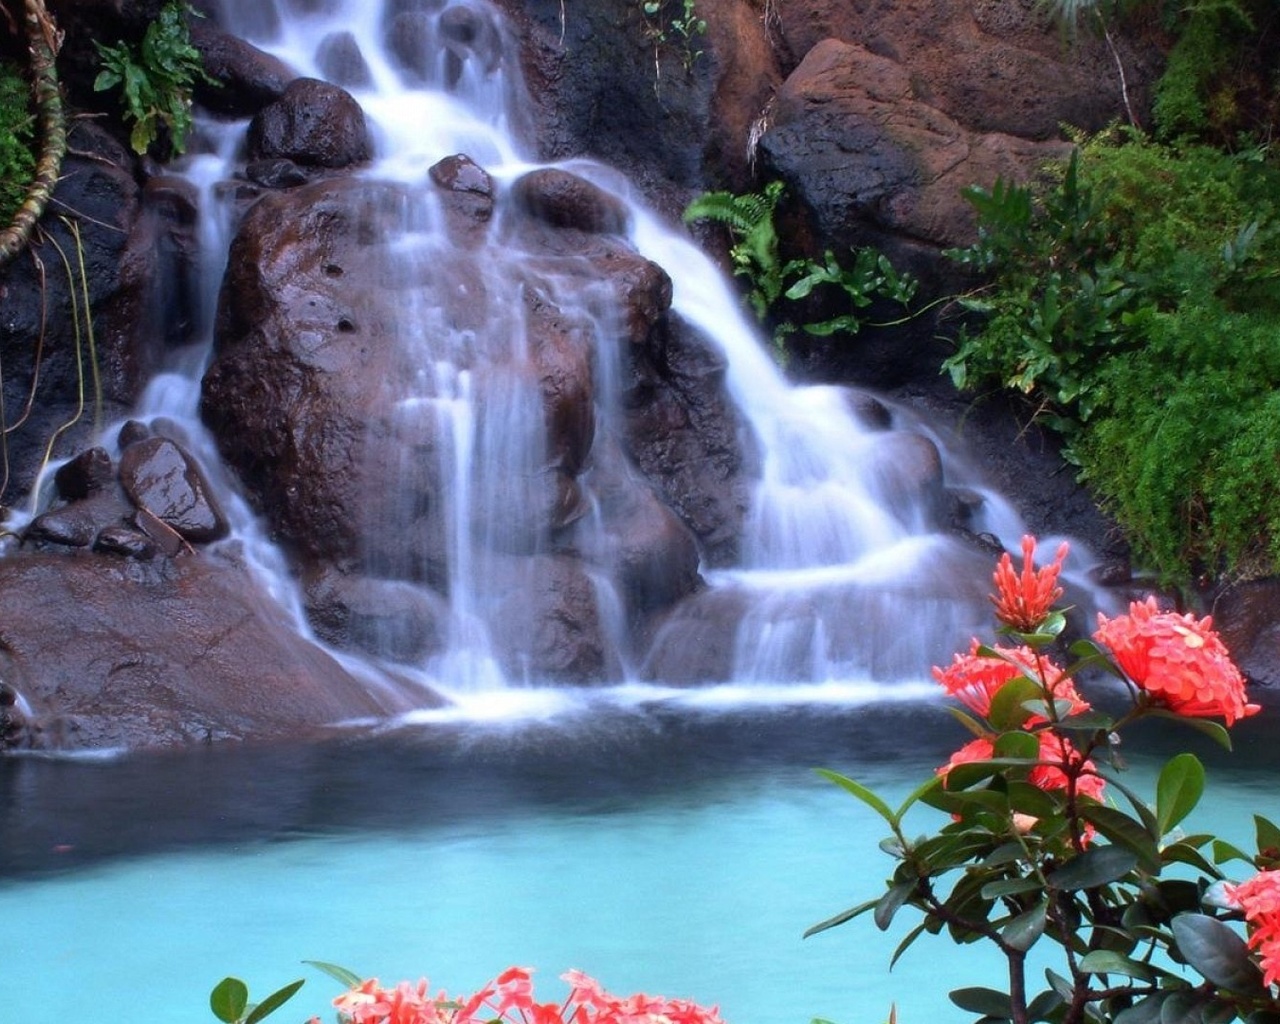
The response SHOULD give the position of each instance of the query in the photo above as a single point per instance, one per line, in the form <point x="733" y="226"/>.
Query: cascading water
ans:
<point x="844" y="578"/>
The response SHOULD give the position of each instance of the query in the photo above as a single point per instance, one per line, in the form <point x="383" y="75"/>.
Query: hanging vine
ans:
<point x="43" y="43"/>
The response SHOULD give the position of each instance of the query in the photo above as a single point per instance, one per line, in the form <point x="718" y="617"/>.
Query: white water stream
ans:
<point x="848" y="591"/>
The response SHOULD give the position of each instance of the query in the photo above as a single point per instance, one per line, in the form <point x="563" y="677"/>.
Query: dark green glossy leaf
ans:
<point x="1042" y="1007"/>
<point x="1105" y="961"/>
<point x="962" y="776"/>
<point x="228" y="999"/>
<point x="274" y="1001"/>
<point x="1145" y="1011"/>
<point x="1022" y="932"/>
<point x="891" y="902"/>
<point x="1088" y="721"/>
<point x="1140" y="808"/>
<point x="1180" y="1008"/>
<point x="928" y="786"/>
<point x="1263" y="1017"/>
<point x="1097" y="866"/>
<point x="1181" y="853"/>
<point x="969" y="722"/>
<point x="1217" y="952"/>
<point x="1018" y="745"/>
<point x="1028" y="799"/>
<point x="1007" y="710"/>
<point x="1217" y="1011"/>
<point x="1006" y="853"/>
<point x="821" y="926"/>
<point x="906" y="943"/>
<point x="344" y="977"/>
<point x="861" y="792"/>
<point x="1178" y="790"/>
<point x="1008" y="887"/>
<point x="989" y="1002"/>
<point x="1266" y="833"/>
<point x="1124" y="831"/>
<point x="1224" y="851"/>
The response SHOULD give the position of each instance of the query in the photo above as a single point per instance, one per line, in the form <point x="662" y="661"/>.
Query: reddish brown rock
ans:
<point x="314" y="124"/>
<point x="107" y="652"/>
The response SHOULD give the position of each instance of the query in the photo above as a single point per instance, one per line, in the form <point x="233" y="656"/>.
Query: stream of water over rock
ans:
<point x="844" y="577"/>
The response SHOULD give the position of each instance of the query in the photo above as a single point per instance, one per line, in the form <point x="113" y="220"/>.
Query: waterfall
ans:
<point x="846" y="584"/>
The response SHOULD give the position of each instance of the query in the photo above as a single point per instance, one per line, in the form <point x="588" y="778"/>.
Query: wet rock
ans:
<point x="163" y="653"/>
<point x="340" y="61"/>
<point x="90" y="471"/>
<point x="123" y="540"/>
<point x="469" y="34"/>
<point x="160" y="478"/>
<point x="565" y="200"/>
<point x="277" y="173"/>
<point x="313" y="123"/>
<point x="697" y="640"/>
<point x="71" y="526"/>
<point x="685" y="432"/>
<point x="548" y="621"/>
<point x="383" y="618"/>
<point x="850" y="134"/>
<point x="411" y="42"/>
<point x="1245" y="615"/>
<point x="247" y="78"/>
<point x="906" y="473"/>
<point x="131" y="432"/>
<point x="461" y="175"/>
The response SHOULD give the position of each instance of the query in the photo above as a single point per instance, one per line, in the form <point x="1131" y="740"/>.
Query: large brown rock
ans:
<point x="314" y="124"/>
<point x="851" y="135"/>
<point x="106" y="652"/>
<point x="990" y="65"/>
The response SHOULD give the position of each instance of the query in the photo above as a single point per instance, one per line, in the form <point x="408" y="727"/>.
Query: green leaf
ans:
<point x="274" y="1001"/>
<point x="1224" y="851"/>
<point x="1217" y="952"/>
<point x="1210" y="728"/>
<point x="891" y="902"/>
<point x="1106" y="961"/>
<point x="1124" y="831"/>
<point x="821" y="926"/>
<point x="929" y="785"/>
<point x="1009" y="887"/>
<point x="1022" y="931"/>
<point x="228" y="999"/>
<point x="1016" y="744"/>
<point x="344" y="977"/>
<point x="861" y="792"/>
<point x="969" y="722"/>
<point x="1266" y="833"/>
<point x="1178" y="790"/>
<point x="989" y="1002"/>
<point x="1145" y="1011"/>
<point x="906" y="943"/>
<point x="1097" y="866"/>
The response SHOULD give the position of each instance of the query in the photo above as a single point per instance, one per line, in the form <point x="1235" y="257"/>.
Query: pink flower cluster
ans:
<point x="509" y="998"/>
<point x="1179" y="660"/>
<point x="1259" y="898"/>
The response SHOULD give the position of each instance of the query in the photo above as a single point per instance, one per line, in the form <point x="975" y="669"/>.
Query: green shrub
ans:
<point x="156" y="78"/>
<point x="17" y="162"/>
<point x="1135" y="302"/>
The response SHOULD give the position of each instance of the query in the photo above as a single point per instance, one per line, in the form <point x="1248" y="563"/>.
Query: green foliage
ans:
<point x="17" y="162"/>
<point x="229" y="1001"/>
<point x="1133" y="301"/>
<point x="156" y="78"/>
<point x="777" y="288"/>
<point x="1219" y="81"/>
<point x="681" y="27"/>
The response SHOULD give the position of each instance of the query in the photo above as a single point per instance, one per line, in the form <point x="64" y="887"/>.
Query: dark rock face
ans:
<point x="320" y="398"/>
<point x="141" y="265"/>
<point x="108" y="652"/>
<point x="312" y="123"/>
<point x="564" y="200"/>
<point x="247" y="78"/>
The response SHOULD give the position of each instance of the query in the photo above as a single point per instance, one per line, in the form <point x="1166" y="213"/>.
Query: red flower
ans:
<point x="1259" y="898"/>
<point x="981" y="749"/>
<point x="973" y="678"/>
<point x="1178" y="660"/>
<point x="1023" y="600"/>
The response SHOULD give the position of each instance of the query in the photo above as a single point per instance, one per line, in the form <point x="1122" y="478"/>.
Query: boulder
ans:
<point x="106" y="652"/>
<point x="245" y="79"/>
<point x="161" y="478"/>
<point x="314" y="124"/>
<point x="565" y="200"/>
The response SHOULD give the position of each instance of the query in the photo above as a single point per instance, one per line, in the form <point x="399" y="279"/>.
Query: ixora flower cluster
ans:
<point x="1044" y="842"/>
<point x="509" y="998"/>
